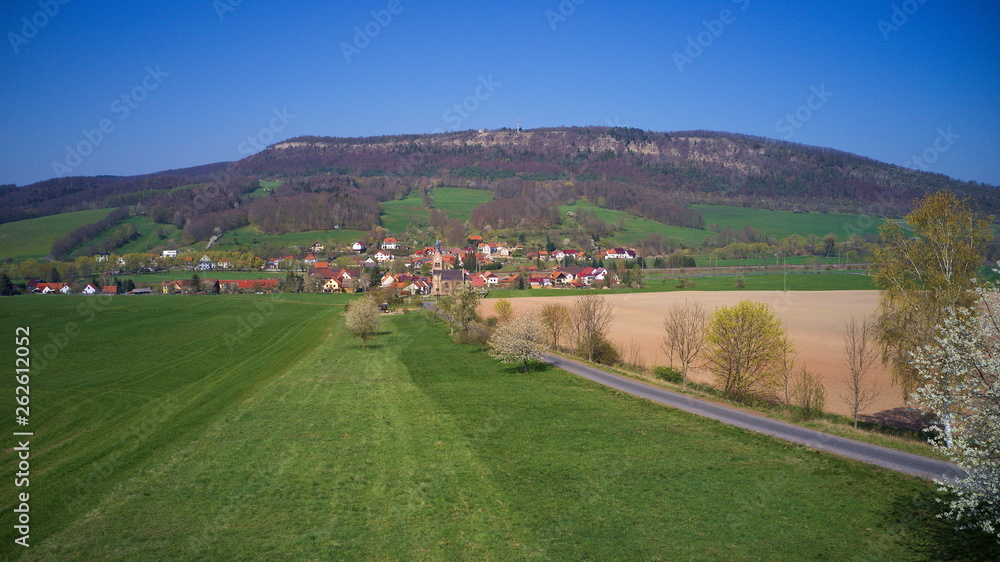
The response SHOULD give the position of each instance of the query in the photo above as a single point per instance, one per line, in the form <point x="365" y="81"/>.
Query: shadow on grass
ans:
<point x="533" y="367"/>
<point x="915" y="519"/>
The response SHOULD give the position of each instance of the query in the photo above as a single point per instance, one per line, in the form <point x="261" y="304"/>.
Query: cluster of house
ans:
<point x="40" y="287"/>
<point x="447" y="271"/>
<point x="214" y="286"/>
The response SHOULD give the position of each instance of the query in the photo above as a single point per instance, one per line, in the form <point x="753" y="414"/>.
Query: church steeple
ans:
<point x="438" y="263"/>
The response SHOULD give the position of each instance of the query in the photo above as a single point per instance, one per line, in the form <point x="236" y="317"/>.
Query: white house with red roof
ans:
<point x="619" y="254"/>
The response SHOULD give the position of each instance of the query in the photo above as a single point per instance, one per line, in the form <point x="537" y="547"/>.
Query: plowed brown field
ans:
<point x="814" y="320"/>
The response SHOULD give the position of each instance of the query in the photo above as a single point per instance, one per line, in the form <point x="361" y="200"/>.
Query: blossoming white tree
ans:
<point x="961" y="388"/>
<point x="520" y="339"/>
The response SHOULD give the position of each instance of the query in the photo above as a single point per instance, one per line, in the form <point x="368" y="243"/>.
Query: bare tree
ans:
<point x="363" y="318"/>
<point x="518" y="340"/>
<point x="786" y="370"/>
<point x="685" y="325"/>
<point x="809" y="394"/>
<point x="592" y="316"/>
<point x="631" y="355"/>
<point x="862" y="354"/>
<point x="555" y="318"/>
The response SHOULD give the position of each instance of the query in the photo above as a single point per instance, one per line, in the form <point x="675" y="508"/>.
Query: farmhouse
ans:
<point x="390" y="243"/>
<point x="619" y="254"/>
<point x="358" y="247"/>
<point x="317" y="247"/>
<point x="336" y="280"/>
<point x="210" y="286"/>
<point x="48" y="288"/>
<point x="248" y="286"/>
<point x="90" y="289"/>
<point x="169" y="254"/>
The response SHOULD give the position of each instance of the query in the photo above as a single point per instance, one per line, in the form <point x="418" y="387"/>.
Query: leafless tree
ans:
<point x="555" y="318"/>
<point x="591" y="317"/>
<point x="685" y="325"/>
<point x="862" y="354"/>
<point x="786" y="370"/>
<point x="809" y="394"/>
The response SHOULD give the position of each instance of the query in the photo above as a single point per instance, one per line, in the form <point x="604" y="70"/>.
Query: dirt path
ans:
<point x="814" y="320"/>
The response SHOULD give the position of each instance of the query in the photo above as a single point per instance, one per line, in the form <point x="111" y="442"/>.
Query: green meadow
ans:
<point x="636" y="228"/>
<point x="655" y="283"/>
<point x="256" y="428"/>
<point x="251" y="236"/>
<point x="33" y="238"/>
<point x="785" y="223"/>
<point x="456" y="202"/>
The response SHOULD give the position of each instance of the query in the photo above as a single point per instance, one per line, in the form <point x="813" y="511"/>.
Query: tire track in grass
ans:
<point x="339" y="456"/>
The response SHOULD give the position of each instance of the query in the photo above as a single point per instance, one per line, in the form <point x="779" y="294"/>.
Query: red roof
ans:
<point x="110" y="289"/>
<point x="254" y="283"/>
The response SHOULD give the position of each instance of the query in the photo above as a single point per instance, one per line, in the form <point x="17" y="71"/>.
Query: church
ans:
<point x="445" y="281"/>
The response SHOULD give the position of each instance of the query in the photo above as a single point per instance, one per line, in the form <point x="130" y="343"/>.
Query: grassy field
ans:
<point x="764" y="282"/>
<point x="456" y="202"/>
<point x="248" y="234"/>
<point x="216" y="274"/>
<point x="148" y="241"/>
<point x="33" y="238"/>
<point x="398" y="216"/>
<point x="704" y="261"/>
<point x="785" y="223"/>
<point x="296" y="443"/>
<point x="636" y="228"/>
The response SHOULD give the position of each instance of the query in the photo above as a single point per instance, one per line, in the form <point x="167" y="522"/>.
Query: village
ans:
<point x="401" y="271"/>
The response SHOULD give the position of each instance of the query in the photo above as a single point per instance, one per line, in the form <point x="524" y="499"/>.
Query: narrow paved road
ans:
<point x="907" y="463"/>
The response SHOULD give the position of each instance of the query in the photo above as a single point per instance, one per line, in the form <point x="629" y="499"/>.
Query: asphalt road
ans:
<point x="907" y="463"/>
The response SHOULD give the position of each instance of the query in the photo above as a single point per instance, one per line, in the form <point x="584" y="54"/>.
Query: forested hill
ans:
<point x="629" y="168"/>
<point x="340" y="182"/>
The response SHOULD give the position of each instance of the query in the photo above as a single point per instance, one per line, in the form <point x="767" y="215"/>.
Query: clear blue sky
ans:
<point x="219" y="79"/>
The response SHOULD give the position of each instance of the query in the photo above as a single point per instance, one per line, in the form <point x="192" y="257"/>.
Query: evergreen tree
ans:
<point x="195" y="283"/>
<point x="54" y="276"/>
<point x="6" y="287"/>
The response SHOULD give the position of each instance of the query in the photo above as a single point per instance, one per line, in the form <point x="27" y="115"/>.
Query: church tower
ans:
<point x="438" y="263"/>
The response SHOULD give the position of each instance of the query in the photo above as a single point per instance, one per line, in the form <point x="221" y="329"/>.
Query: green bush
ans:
<point x="669" y="374"/>
<point x="604" y="353"/>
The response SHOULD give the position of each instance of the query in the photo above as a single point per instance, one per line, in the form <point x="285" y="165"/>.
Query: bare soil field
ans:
<point x="814" y="320"/>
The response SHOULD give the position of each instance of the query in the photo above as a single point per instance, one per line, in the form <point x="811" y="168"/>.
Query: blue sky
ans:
<point x="205" y="81"/>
